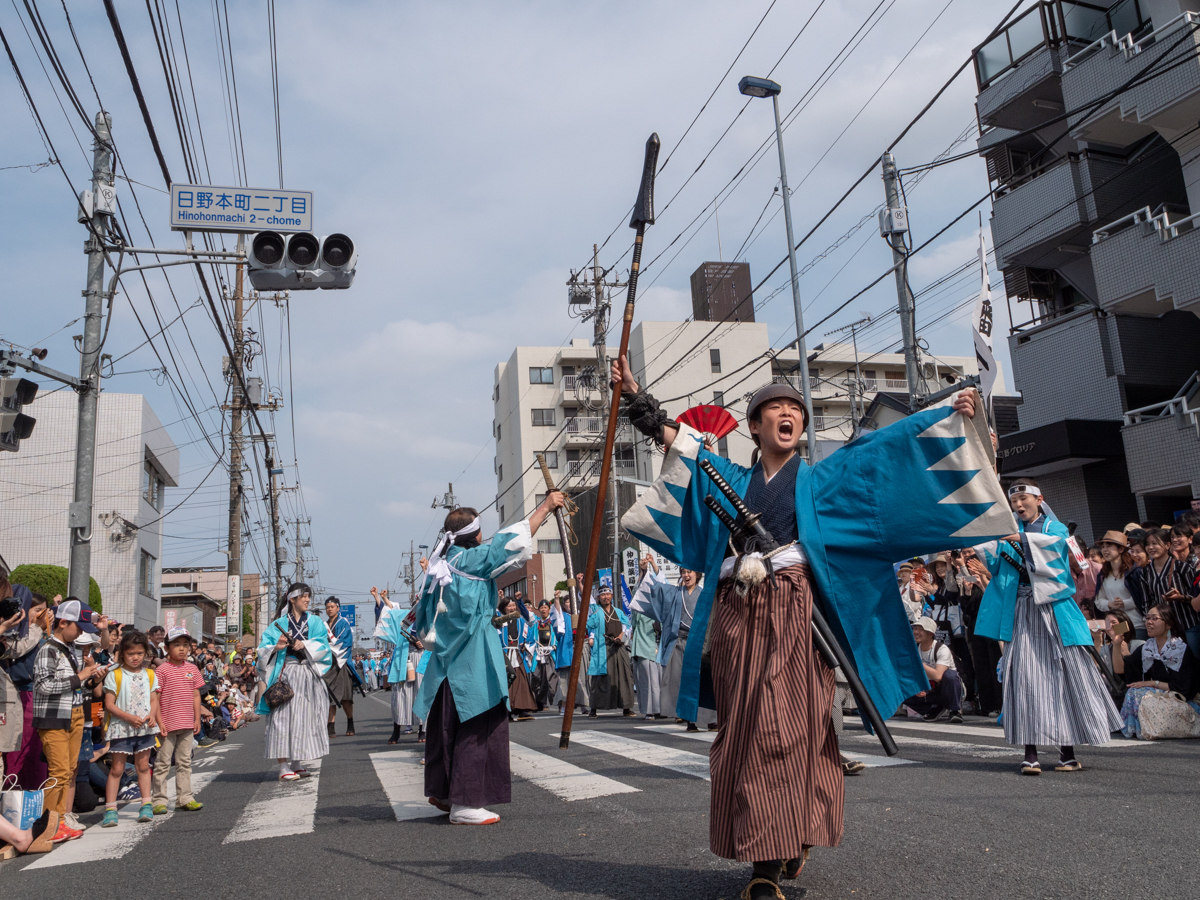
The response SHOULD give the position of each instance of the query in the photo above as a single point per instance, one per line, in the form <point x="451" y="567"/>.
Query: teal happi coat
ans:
<point x="271" y="657"/>
<point x="463" y="646"/>
<point x="1047" y="558"/>
<point x="598" y="661"/>
<point x="391" y="629"/>
<point x="921" y="485"/>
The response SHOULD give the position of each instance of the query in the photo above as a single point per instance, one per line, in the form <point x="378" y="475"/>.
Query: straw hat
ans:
<point x="1116" y="538"/>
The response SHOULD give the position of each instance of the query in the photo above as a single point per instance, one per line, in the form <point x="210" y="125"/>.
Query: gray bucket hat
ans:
<point x="774" y="392"/>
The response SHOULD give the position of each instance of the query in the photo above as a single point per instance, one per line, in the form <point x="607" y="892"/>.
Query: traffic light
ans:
<point x="15" y="426"/>
<point x="301" y="262"/>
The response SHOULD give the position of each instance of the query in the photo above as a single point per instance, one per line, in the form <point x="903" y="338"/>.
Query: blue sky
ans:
<point x="474" y="152"/>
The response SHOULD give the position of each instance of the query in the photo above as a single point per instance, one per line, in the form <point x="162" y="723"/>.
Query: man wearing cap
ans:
<point x="945" y="686"/>
<point x="923" y="484"/>
<point x="610" y="668"/>
<point x="1053" y="692"/>
<point x="60" y="681"/>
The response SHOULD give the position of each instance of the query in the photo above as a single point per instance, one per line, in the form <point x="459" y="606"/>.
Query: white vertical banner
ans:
<point x="981" y="327"/>
<point x="233" y="604"/>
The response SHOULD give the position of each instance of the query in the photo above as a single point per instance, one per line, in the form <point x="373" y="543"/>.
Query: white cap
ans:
<point x="177" y="632"/>
<point x="86" y="639"/>
<point x="927" y="623"/>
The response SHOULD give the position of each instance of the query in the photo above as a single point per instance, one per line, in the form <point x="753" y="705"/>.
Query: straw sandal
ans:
<point x="750" y="894"/>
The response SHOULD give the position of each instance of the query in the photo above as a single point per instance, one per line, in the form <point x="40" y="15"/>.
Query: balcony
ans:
<point x="590" y="468"/>
<point x="1170" y="102"/>
<point x="1148" y="264"/>
<point x="1162" y="443"/>
<point x="1043" y="218"/>
<point x="591" y="429"/>
<point x="797" y="382"/>
<point x="830" y="423"/>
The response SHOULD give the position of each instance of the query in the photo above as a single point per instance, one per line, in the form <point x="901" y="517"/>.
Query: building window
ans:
<point x="551" y="459"/>
<point x="714" y="357"/>
<point x="496" y="393"/>
<point x="718" y="398"/>
<point x="500" y="473"/>
<point x="502" y="515"/>
<point x="723" y="447"/>
<point x="550" y="546"/>
<point x="152" y="486"/>
<point x="543" y="416"/>
<point x="540" y="375"/>
<point x="498" y="432"/>
<point x="538" y="500"/>
<point x="568" y="370"/>
<point x="146" y="577"/>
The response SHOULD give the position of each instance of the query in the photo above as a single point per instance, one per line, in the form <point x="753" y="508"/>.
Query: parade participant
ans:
<point x="1053" y="693"/>
<point x="295" y="650"/>
<point x="544" y="678"/>
<point x="920" y="485"/>
<point x="647" y="673"/>
<point x="516" y="641"/>
<point x="673" y="607"/>
<point x="463" y="696"/>
<point x="564" y="629"/>
<point x="610" y="670"/>
<point x="340" y="678"/>
<point x="404" y="671"/>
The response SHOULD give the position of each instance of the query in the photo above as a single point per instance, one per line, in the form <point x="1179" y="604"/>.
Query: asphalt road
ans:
<point x="954" y="820"/>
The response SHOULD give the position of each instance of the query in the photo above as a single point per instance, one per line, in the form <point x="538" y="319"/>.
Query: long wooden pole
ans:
<point x="563" y="538"/>
<point x="643" y="215"/>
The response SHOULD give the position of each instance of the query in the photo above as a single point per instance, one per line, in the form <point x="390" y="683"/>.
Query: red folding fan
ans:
<point x="709" y="420"/>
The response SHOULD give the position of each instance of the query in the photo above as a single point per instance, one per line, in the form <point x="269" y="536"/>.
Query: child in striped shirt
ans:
<point x="178" y="721"/>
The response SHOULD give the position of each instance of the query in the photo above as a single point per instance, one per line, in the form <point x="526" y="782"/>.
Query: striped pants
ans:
<point x="297" y="730"/>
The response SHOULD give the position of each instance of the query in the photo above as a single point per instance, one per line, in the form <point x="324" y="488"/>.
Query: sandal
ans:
<point x="1070" y="765"/>
<point x="289" y="776"/>
<point x="768" y="890"/>
<point x="793" y="867"/>
<point x="44" y="830"/>
<point x="1028" y="768"/>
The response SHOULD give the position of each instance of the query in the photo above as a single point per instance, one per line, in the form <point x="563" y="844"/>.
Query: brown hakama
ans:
<point x="776" y="772"/>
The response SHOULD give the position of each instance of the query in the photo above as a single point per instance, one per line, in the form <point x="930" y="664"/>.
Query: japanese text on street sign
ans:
<point x="201" y="207"/>
<point x="347" y="613"/>
<point x="220" y="625"/>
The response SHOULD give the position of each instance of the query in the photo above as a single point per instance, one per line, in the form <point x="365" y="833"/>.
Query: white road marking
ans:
<point x="561" y="778"/>
<point x="403" y="779"/>
<point x="880" y="762"/>
<point x="694" y="764"/>
<point x="681" y="731"/>
<point x="993" y="731"/>
<point x="114" y="843"/>
<point x="279" y="808"/>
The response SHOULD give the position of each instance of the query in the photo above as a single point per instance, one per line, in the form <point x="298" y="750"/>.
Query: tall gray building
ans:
<point x="721" y="292"/>
<point x="1090" y="118"/>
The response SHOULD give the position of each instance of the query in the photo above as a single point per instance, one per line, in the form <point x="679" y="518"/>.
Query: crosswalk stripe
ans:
<point x="694" y="764"/>
<point x="979" y="751"/>
<point x="114" y="843"/>
<point x="681" y="731"/>
<point x="403" y="780"/>
<point x="279" y="808"/>
<point x="882" y="762"/>
<point x="560" y="777"/>
<point x="992" y="731"/>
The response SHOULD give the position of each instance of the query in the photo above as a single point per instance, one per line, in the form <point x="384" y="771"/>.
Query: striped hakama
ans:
<point x="403" y="695"/>
<point x="297" y="730"/>
<point x="1053" y="695"/>
<point x="776" y="770"/>
<point x="647" y="677"/>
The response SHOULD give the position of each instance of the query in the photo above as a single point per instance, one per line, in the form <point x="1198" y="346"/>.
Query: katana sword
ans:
<point x="643" y="215"/>
<point x="749" y="531"/>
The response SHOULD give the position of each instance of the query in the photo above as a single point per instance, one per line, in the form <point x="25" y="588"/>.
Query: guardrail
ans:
<point x="1161" y="223"/>
<point x="1126" y="44"/>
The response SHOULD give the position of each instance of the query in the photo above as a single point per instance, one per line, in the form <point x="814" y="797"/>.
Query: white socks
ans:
<point x="285" y="768"/>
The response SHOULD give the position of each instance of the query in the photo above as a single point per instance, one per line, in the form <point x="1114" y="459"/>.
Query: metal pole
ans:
<point x="233" y="569"/>
<point x="858" y="386"/>
<point x="274" y="474"/>
<point x="900" y="261"/>
<point x="800" y="344"/>
<point x="80" y="514"/>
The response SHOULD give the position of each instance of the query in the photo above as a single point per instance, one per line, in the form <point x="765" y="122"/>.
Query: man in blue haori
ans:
<point x="463" y="696"/>
<point x="1053" y="692"/>
<point x="610" y="670"/>
<point x="919" y="486"/>
<point x="342" y="677"/>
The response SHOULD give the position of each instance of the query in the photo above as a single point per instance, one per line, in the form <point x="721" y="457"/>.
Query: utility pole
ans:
<point x="858" y="392"/>
<point x="601" y="336"/>
<point x="410" y="573"/>
<point x="274" y="473"/>
<point x="893" y="225"/>
<point x="234" y="567"/>
<point x="80" y="514"/>
<point x="300" y="545"/>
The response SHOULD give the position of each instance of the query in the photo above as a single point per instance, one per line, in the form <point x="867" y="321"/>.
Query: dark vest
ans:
<point x="775" y="500"/>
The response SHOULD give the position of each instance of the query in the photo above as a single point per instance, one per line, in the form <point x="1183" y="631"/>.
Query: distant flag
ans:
<point x="981" y="326"/>
<point x="626" y="596"/>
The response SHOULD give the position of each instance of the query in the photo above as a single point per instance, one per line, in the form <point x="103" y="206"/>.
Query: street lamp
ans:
<point x="764" y="87"/>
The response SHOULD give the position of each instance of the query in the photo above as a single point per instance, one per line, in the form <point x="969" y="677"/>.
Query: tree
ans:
<point x="52" y="580"/>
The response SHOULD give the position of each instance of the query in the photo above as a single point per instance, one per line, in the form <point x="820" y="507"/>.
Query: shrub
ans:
<point x="51" y="580"/>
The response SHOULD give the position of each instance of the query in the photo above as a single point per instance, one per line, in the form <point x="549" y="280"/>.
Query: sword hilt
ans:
<point x="751" y="524"/>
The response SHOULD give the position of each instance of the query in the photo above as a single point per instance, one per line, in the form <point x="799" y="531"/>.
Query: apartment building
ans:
<point x="136" y="461"/>
<point x="212" y="582"/>
<point x="1094" y="232"/>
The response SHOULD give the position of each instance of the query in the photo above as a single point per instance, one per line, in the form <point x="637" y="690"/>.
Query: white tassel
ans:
<point x="752" y="572"/>
<point x="441" y="606"/>
<point x="430" y="636"/>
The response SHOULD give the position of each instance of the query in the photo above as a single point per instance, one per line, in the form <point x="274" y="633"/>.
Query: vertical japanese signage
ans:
<point x="201" y="207"/>
<point x="233" y="605"/>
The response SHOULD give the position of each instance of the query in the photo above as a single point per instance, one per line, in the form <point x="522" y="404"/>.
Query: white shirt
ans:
<point x="1113" y="588"/>
<point x="938" y="654"/>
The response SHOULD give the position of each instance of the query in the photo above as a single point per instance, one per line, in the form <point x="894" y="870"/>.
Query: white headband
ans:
<point x="439" y="569"/>
<point x="1024" y="489"/>
<point x="298" y="592"/>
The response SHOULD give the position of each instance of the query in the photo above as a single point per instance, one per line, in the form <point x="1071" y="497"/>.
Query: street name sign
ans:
<point x="203" y="207"/>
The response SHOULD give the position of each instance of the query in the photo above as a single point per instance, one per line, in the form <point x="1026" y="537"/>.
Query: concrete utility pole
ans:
<point x="896" y="217"/>
<point x="265" y="615"/>
<point x="300" y="545"/>
<point x="234" y="568"/>
<point x="601" y="333"/>
<point x="410" y="573"/>
<point x="80" y="514"/>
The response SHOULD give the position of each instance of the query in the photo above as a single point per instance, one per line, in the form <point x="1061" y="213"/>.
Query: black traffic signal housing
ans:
<point x="15" y="426"/>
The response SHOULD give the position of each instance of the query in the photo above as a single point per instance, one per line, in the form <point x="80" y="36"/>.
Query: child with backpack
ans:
<point x="131" y="697"/>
